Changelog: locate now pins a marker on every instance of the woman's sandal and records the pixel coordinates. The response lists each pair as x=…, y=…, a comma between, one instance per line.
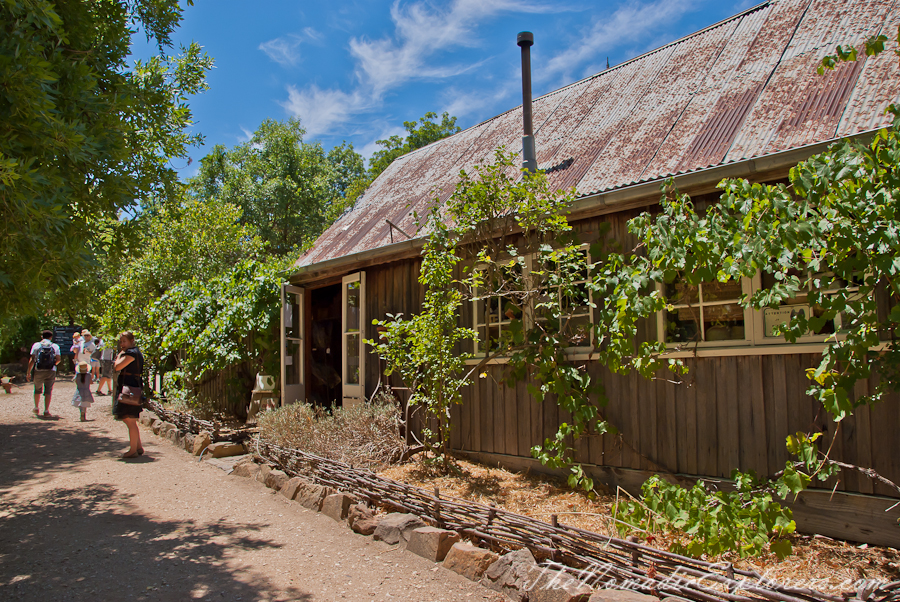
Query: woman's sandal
x=131, y=455
x=140, y=451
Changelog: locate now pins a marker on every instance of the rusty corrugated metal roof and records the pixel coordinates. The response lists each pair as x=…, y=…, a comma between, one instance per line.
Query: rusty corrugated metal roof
x=743, y=88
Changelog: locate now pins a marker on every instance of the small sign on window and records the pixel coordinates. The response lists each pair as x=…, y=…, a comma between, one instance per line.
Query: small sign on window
x=782, y=315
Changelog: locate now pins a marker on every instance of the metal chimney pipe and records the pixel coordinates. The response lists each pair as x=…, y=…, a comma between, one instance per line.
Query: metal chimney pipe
x=525, y=39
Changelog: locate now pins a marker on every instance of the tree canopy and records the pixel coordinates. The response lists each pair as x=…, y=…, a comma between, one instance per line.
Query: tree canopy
x=419, y=134
x=289, y=190
x=83, y=135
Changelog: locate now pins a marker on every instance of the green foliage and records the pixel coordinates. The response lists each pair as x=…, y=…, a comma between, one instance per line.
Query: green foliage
x=419, y=134
x=201, y=296
x=745, y=520
x=423, y=348
x=83, y=136
x=289, y=190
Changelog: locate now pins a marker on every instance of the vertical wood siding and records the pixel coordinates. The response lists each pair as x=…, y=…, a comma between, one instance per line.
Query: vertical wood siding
x=731, y=412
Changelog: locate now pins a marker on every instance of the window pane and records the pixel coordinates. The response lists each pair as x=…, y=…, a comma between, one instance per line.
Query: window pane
x=682, y=325
x=292, y=362
x=723, y=322
x=577, y=331
x=721, y=291
x=681, y=293
x=352, y=359
x=353, y=291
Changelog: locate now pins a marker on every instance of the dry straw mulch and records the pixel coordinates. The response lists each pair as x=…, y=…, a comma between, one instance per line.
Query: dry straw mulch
x=819, y=563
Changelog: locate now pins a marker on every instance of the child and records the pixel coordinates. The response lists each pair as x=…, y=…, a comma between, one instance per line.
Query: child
x=83, y=398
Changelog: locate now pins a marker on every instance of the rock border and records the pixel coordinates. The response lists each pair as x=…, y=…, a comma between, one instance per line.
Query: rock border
x=515, y=574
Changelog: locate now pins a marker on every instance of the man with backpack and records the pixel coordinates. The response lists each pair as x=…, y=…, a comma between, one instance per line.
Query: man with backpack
x=45, y=355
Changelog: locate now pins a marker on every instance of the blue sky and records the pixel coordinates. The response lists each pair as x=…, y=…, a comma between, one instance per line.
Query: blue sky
x=356, y=70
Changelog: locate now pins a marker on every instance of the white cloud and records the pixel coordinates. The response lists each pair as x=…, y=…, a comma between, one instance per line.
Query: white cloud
x=285, y=50
x=320, y=110
x=369, y=149
x=421, y=31
x=247, y=135
x=282, y=50
x=608, y=32
x=460, y=104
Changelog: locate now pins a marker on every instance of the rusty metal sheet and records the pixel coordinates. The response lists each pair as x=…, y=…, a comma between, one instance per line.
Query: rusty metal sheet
x=707, y=127
x=798, y=106
x=871, y=96
x=638, y=138
x=743, y=88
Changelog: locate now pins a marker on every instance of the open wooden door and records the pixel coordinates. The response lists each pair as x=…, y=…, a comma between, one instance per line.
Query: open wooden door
x=292, y=365
x=353, y=319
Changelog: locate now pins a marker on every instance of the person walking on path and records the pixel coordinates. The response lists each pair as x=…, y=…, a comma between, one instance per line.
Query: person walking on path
x=95, y=358
x=107, y=353
x=45, y=355
x=82, y=399
x=127, y=402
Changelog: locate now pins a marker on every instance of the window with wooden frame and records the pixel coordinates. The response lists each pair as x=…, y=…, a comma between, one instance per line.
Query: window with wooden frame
x=494, y=314
x=710, y=314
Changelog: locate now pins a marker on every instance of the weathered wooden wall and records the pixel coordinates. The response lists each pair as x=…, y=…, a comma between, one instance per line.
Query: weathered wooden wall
x=731, y=412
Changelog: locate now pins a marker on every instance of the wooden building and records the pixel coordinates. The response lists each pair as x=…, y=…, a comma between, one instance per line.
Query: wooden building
x=738, y=99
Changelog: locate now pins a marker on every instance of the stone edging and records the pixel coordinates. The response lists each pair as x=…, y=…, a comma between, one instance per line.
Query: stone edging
x=516, y=574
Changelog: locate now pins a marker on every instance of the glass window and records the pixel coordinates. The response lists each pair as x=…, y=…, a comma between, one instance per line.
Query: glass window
x=706, y=312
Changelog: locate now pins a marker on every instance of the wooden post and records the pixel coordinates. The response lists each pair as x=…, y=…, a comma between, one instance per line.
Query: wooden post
x=437, y=508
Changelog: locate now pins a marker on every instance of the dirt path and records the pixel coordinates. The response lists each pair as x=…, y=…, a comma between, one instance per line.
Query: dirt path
x=79, y=523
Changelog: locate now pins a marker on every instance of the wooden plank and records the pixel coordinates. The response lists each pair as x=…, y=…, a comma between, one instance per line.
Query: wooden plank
x=753, y=452
x=707, y=429
x=618, y=453
x=777, y=413
x=595, y=443
x=498, y=443
x=487, y=414
x=646, y=402
x=464, y=426
x=885, y=424
x=511, y=419
x=477, y=422
x=633, y=434
x=523, y=420
x=665, y=426
x=537, y=417
x=454, y=426
x=864, y=444
x=687, y=396
x=727, y=422
x=550, y=418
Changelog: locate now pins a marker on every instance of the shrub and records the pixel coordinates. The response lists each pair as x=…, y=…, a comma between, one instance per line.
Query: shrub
x=366, y=436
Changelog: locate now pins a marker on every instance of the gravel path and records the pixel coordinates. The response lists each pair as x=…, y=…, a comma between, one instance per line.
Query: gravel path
x=79, y=523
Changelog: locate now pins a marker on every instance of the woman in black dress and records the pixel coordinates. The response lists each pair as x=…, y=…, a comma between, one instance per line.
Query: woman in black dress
x=130, y=365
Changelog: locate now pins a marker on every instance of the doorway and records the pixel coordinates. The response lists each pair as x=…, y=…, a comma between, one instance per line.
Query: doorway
x=325, y=346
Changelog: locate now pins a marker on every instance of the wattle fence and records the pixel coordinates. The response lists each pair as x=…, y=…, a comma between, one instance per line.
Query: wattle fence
x=596, y=559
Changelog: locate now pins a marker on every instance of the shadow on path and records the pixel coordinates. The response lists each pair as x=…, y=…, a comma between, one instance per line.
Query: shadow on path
x=31, y=451
x=90, y=543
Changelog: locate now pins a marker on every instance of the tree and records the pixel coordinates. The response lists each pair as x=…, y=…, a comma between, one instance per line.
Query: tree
x=419, y=134
x=191, y=241
x=501, y=220
x=289, y=190
x=83, y=136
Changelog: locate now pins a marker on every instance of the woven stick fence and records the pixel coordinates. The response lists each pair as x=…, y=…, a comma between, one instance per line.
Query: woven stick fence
x=186, y=422
x=596, y=559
